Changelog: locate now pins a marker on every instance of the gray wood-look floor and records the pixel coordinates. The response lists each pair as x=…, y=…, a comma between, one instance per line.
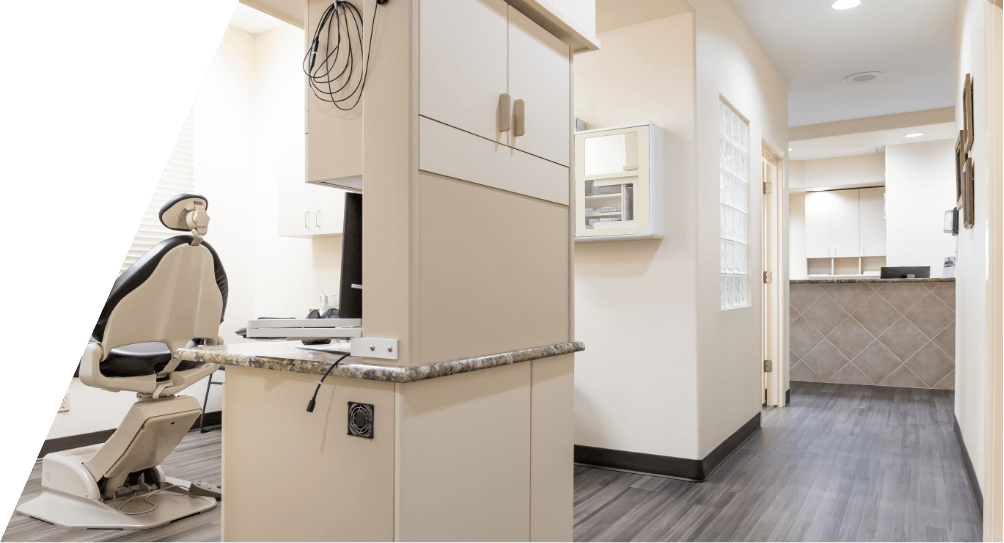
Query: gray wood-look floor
x=841, y=463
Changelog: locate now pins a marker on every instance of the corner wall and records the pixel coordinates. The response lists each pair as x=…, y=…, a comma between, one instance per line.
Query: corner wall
x=636, y=382
x=731, y=64
x=972, y=266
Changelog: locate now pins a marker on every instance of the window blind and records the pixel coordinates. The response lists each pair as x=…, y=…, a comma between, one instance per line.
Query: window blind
x=178, y=177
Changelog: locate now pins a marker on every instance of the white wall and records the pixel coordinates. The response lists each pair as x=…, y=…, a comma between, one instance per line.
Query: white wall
x=838, y=173
x=687, y=373
x=730, y=64
x=636, y=383
x=798, y=266
x=920, y=187
x=971, y=266
x=249, y=112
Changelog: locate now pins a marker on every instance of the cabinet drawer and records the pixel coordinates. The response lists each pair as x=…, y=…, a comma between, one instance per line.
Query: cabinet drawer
x=444, y=150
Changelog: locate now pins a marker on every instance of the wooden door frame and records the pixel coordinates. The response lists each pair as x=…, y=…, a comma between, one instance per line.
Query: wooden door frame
x=773, y=318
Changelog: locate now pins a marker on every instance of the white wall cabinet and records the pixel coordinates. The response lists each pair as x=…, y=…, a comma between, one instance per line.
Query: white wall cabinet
x=618, y=183
x=467, y=70
x=306, y=210
x=843, y=224
x=871, y=205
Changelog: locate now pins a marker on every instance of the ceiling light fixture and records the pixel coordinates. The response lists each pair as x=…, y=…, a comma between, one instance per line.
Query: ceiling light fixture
x=846, y=4
x=863, y=77
x=914, y=135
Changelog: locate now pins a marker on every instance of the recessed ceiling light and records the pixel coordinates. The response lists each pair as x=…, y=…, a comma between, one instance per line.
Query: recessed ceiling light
x=915, y=135
x=790, y=149
x=846, y=4
x=863, y=77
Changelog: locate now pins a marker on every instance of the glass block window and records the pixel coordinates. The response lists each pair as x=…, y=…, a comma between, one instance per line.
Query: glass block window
x=733, y=206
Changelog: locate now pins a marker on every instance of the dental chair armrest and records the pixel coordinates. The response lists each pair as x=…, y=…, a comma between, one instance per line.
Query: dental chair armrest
x=90, y=374
x=180, y=380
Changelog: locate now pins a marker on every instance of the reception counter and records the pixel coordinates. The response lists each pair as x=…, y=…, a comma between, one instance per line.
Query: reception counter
x=472, y=449
x=871, y=331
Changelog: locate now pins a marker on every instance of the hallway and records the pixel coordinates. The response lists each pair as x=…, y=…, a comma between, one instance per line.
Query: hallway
x=842, y=462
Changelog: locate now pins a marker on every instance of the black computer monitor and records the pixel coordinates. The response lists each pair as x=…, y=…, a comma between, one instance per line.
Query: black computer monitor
x=350, y=291
x=901, y=272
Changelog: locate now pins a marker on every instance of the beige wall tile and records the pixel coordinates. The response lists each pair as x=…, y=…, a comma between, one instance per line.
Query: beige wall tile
x=801, y=372
x=801, y=295
x=850, y=375
x=803, y=337
x=903, y=377
x=931, y=315
x=877, y=361
x=824, y=360
x=902, y=296
x=876, y=315
x=946, y=292
x=850, y=337
x=946, y=340
x=825, y=314
x=903, y=339
x=849, y=295
x=931, y=364
x=948, y=383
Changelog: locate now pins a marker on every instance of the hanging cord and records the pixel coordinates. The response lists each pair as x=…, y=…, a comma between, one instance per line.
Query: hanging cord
x=336, y=79
x=313, y=400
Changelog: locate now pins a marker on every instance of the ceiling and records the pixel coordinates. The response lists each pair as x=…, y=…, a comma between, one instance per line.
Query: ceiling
x=815, y=46
x=252, y=20
x=613, y=14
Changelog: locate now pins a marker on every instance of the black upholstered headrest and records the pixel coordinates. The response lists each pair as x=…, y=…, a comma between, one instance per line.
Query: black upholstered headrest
x=172, y=214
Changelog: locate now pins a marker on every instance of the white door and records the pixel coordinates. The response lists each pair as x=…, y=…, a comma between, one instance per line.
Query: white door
x=329, y=210
x=845, y=228
x=462, y=63
x=871, y=204
x=819, y=210
x=538, y=75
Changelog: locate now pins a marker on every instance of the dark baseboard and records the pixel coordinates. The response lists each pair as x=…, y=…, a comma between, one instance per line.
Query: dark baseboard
x=213, y=418
x=670, y=466
x=787, y=397
x=967, y=463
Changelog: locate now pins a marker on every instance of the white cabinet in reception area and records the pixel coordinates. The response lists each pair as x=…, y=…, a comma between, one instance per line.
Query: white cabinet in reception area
x=845, y=231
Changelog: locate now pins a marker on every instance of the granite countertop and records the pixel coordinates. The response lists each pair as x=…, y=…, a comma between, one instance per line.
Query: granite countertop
x=284, y=356
x=871, y=280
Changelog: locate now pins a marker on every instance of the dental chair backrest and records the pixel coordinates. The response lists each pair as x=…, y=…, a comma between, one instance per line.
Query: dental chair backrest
x=175, y=295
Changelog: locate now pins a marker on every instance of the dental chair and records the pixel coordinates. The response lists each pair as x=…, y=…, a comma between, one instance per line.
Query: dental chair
x=173, y=296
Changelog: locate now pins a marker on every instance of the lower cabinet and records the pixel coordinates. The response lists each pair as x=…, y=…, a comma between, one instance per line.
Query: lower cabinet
x=307, y=210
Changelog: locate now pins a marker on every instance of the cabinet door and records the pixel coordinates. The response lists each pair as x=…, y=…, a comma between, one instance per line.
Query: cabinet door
x=871, y=205
x=295, y=199
x=462, y=63
x=329, y=210
x=844, y=223
x=818, y=235
x=538, y=75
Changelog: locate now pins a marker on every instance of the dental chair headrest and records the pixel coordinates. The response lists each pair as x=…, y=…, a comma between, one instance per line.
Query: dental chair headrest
x=186, y=212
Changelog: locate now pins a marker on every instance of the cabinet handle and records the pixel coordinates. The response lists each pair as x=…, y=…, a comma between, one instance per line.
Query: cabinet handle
x=505, y=112
x=519, y=118
x=306, y=219
x=317, y=219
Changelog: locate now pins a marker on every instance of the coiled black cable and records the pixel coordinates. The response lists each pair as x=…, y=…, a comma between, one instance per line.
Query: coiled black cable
x=335, y=77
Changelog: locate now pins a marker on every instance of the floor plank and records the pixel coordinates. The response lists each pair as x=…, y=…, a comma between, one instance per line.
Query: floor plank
x=841, y=463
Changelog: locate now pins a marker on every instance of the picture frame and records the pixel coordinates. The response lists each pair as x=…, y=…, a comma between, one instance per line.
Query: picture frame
x=967, y=113
x=968, y=189
x=959, y=167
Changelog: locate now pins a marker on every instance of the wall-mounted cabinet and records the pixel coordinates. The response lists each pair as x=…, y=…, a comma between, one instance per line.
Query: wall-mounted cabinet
x=618, y=183
x=845, y=231
x=306, y=210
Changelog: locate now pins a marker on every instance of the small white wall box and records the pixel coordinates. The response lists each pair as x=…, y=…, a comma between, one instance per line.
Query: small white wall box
x=619, y=183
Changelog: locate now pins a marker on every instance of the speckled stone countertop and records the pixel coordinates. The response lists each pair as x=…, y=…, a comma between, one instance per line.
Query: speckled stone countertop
x=871, y=280
x=284, y=356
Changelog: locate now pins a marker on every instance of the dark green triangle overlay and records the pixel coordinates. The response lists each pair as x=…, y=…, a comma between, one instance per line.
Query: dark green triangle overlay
x=93, y=96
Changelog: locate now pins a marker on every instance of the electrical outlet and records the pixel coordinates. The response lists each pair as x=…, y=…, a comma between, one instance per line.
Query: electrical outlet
x=65, y=405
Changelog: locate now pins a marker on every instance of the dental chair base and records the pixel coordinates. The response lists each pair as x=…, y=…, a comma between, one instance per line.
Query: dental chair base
x=119, y=484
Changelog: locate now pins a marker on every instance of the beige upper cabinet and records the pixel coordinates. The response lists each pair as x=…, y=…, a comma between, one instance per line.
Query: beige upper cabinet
x=462, y=59
x=472, y=75
x=538, y=75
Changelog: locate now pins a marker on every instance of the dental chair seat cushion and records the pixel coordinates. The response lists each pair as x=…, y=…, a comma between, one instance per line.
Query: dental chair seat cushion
x=139, y=359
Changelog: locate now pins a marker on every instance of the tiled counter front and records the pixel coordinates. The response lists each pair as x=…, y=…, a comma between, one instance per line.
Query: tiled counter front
x=898, y=334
